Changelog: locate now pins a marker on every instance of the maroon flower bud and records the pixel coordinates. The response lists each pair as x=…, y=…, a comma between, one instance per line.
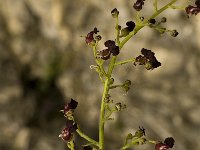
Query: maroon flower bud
x=138, y=5
x=69, y=107
x=169, y=141
x=152, y=21
x=115, y=13
x=67, y=132
x=89, y=39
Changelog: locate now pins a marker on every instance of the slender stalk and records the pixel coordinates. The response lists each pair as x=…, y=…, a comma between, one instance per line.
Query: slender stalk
x=155, y=4
x=102, y=113
x=87, y=137
x=72, y=145
x=124, y=62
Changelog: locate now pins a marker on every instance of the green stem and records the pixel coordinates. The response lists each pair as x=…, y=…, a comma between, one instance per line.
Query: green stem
x=155, y=4
x=72, y=145
x=102, y=113
x=117, y=30
x=124, y=62
x=115, y=86
x=87, y=137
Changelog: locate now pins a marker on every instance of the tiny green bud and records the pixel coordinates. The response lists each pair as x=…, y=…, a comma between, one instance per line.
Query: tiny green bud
x=174, y=33
x=124, y=32
x=127, y=82
x=162, y=30
x=140, y=132
x=141, y=18
x=115, y=13
x=98, y=37
x=163, y=19
x=111, y=81
x=119, y=106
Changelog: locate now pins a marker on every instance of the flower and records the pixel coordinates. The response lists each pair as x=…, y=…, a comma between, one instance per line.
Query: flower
x=67, y=132
x=69, y=107
x=89, y=39
x=147, y=59
x=193, y=10
x=111, y=49
x=138, y=5
x=168, y=143
x=104, y=54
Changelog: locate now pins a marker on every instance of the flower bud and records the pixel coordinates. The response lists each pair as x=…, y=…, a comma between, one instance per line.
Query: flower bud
x=163, y=19
x=124, y=32
x=115, y=13
x=140, y=132
x=174, y=33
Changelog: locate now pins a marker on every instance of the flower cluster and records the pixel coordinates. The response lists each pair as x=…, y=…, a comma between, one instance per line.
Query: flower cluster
x=71, y=126
x=193, y=10
x=67, y=132
x=138, y=5
x=168, y=143
x=111, y=49
x=147, y=59
x=89, y=39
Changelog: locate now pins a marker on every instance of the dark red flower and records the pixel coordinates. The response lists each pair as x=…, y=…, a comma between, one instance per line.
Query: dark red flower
x=104, y=54
x=111, y=49
x=147, y=59
x=161, y=146
x=69, y=107
x=168, y=143
x=193, y=10
x=67, y=132
x=89, y=39
x=138, y=5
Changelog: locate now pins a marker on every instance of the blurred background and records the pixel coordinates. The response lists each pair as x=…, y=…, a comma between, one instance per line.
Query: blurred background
x=44, y=62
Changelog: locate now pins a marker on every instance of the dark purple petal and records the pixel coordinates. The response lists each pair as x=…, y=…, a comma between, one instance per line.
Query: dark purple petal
x=90, y=36
x=161, y=146
x=169, y=141
x=138, y=5
x=193, y=10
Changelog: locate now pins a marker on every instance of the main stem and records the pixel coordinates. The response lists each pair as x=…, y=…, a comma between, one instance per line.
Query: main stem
x=102, y=113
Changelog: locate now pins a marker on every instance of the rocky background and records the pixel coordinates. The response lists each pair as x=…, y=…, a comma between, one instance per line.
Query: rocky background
x=44, y=62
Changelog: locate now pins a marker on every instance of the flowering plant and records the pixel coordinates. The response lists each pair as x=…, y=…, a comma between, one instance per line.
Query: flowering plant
x=110, y=53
